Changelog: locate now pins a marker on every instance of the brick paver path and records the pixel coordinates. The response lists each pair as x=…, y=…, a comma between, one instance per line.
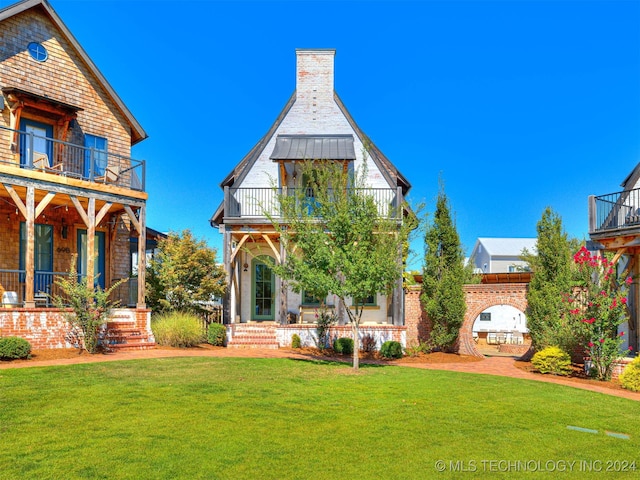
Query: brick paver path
x=501, y=366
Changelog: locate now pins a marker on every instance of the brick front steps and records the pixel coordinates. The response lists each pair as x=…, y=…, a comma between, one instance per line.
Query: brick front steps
x=252, y=335
x=124, y=336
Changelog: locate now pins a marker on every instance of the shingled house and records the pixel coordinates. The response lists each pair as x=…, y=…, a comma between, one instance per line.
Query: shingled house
x=614, y=226
x=67, y=182
x=314, y=125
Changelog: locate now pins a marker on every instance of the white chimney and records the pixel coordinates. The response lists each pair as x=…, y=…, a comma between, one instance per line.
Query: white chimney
x=314, y=75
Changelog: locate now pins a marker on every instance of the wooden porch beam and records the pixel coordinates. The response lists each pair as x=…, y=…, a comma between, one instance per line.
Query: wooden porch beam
x=618, y=254
x=132, y=217
x=237, y=249
x=29, y=301
x=16, y=199
x=80, y=209
x=44, y=202
x=142, y=255
x=273, y=248
x=103, y=211
x=91, y=241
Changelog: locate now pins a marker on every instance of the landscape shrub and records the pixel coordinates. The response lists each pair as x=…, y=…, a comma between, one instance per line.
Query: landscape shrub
x=295, y=341
x=14, y=347
x=177, y=329
x=552, y=360
x=216, y=334
x=630, y=377
x=391, y=349
x=343, y=345
x=368, y=344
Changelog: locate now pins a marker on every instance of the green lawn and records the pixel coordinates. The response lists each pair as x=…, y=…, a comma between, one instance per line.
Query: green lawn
x=277, y=418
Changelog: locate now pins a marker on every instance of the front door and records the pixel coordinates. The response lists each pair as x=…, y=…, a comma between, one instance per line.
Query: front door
x=43, y=256
x=34, y=140
x=263, y=291
x=99, y=264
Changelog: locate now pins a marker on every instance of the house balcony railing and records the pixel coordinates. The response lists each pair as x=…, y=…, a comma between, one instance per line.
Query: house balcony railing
x=259, y=202
x=33, y=152
x=614, y=211
x=46, y=289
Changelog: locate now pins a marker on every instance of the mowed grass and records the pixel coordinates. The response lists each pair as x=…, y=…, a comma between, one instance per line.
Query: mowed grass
x=286, y=419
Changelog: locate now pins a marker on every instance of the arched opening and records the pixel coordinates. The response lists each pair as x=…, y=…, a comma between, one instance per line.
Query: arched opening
x=500, y=325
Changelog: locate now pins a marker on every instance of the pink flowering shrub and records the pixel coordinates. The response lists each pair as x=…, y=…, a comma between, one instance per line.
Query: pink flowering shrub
x=600, y=304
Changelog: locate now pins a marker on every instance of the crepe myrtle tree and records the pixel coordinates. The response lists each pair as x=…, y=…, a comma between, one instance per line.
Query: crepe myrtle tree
x=339, y=239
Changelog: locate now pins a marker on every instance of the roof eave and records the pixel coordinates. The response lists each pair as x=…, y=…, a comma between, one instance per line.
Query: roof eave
x=137, y=132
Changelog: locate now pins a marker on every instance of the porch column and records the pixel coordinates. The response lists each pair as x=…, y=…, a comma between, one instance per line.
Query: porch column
x=284, y=291
x=91, y=241
x=29, y=258
x=228, y=310
x=142, y=257
x=635, y=302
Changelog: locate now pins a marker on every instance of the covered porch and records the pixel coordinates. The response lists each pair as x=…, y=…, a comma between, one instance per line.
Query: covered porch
x=614, y=226
x=49, y=220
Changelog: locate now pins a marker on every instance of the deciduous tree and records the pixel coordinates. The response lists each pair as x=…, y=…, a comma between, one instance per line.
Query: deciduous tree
x=340, y=238
x=184, y=274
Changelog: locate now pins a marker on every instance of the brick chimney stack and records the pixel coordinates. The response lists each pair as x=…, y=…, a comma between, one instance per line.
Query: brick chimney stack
x=314, y=76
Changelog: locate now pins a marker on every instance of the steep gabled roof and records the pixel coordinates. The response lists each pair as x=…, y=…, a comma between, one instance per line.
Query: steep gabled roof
x=391, y=174
x=137, y=132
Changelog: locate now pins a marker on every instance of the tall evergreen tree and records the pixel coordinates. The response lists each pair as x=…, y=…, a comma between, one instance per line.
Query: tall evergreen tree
x=443, y=277
x=551, y=265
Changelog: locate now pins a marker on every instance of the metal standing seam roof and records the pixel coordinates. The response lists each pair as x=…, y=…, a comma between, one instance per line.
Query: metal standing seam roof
x=314, y=147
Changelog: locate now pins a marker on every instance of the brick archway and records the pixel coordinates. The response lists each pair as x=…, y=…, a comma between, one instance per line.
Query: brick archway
x=479, y=298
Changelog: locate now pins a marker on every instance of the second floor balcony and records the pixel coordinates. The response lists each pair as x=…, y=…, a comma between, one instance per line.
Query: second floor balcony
x=614, y=213
x=255, y=204
x=32, y=152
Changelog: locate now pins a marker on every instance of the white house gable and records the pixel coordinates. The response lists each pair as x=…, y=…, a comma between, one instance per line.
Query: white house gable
x=314, y=112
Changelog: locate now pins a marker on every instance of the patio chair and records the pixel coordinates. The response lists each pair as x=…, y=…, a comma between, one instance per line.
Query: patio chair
x=10, y=299
x=111, y=174
x=41, y=162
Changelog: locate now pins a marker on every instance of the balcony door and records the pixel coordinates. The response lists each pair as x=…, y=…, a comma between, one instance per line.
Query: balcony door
x=35, y=138
x=263, y=290
x=99, y=264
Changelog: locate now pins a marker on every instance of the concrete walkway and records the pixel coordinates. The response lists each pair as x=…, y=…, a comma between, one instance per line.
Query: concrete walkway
x=501, y=366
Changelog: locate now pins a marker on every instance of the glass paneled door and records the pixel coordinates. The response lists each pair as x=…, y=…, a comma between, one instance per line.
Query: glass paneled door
x=35, y=142
x=263, y=291
x=42, y=257
x=99, y=263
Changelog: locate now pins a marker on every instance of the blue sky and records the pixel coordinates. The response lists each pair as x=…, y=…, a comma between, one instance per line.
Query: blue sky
x=518, y=105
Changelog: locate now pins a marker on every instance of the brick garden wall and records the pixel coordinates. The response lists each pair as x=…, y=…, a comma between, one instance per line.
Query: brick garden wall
x=478, y=298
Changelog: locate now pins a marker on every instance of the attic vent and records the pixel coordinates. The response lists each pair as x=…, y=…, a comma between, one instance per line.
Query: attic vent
x=37, y=51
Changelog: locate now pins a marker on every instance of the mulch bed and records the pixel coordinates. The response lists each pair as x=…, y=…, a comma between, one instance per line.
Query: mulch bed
x=578, y=375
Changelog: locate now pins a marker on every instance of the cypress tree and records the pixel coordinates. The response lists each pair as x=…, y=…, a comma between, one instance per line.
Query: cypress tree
x=443, y=278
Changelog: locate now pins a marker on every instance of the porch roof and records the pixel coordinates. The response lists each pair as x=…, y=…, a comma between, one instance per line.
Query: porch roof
x=314, y=147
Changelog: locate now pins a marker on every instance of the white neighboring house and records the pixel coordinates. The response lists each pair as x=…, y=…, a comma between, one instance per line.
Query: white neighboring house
x=501, y=255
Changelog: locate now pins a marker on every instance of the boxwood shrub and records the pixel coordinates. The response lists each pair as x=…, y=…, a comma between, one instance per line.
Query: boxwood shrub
x=391, y=349
x=296, y=342
x=630, y=377
x=216, y=334
x=12, y=348
x=343, y=345
x=552, y=360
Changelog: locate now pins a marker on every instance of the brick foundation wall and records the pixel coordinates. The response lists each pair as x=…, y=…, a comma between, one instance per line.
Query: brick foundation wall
x=46, y=328
x=307, y=333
